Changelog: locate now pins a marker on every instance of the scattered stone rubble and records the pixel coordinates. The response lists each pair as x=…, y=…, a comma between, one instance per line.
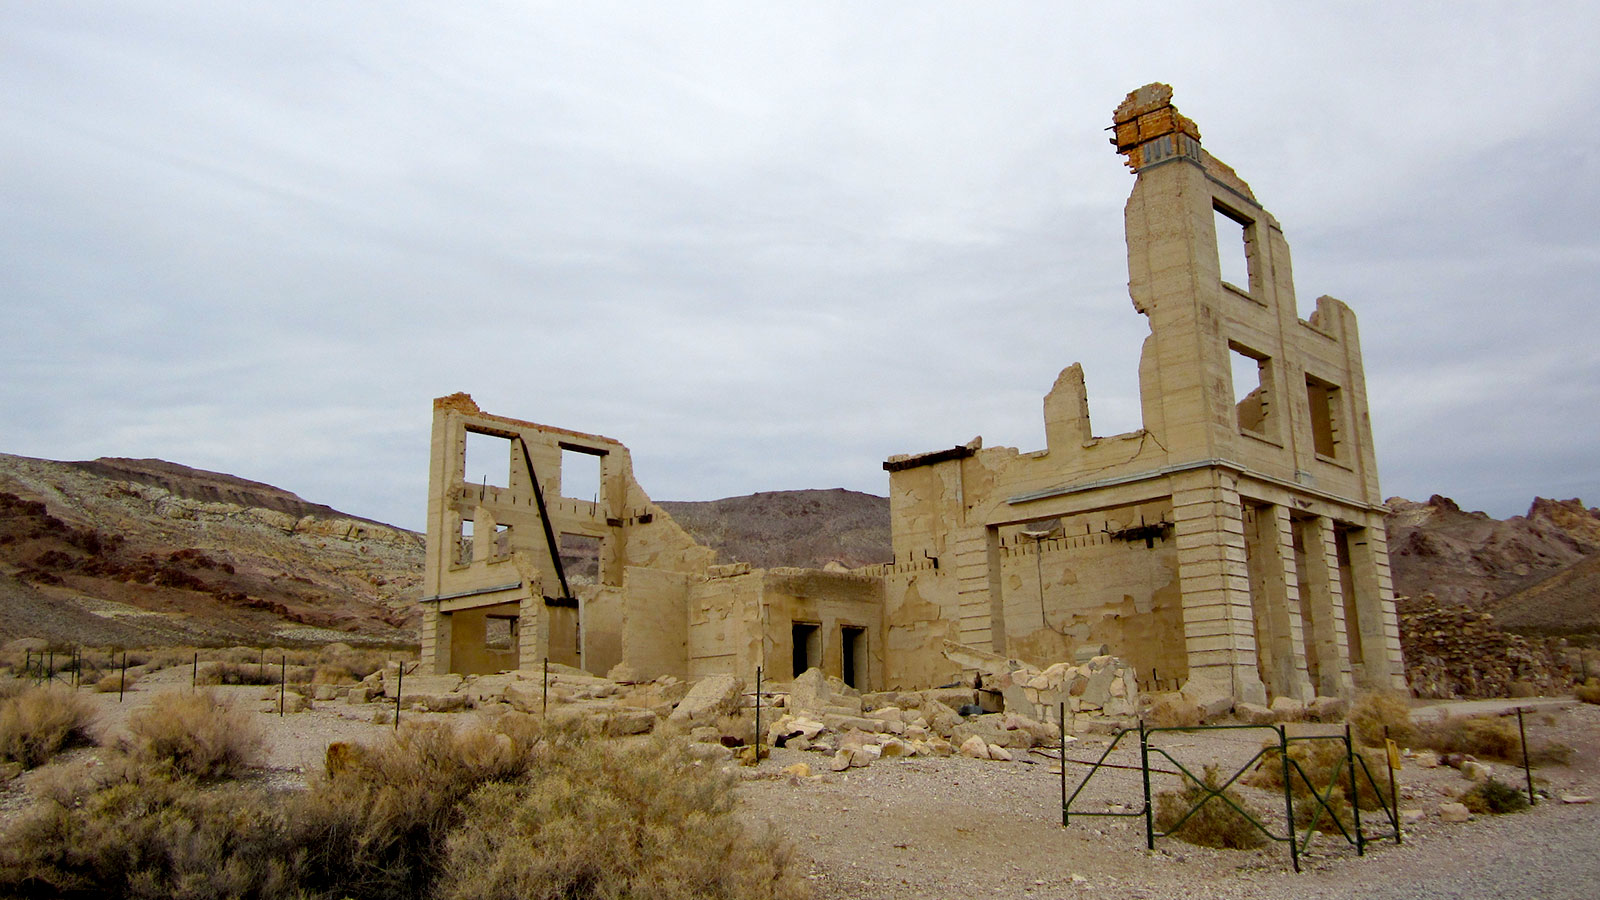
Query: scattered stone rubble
x=1004, y=708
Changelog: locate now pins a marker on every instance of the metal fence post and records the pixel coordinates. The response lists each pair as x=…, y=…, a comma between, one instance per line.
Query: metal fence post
x=122, y=683
x=758, y=715
x=283, y=682
x=544, y=707
x=399, y=687
x=194, y=675
x=1144, y=769
x=1061, y=720
x=1288, y=798
x=1355, y=790
x=1527, y=770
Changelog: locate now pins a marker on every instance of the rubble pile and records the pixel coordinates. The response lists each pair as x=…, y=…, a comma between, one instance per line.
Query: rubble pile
x=1455, y=651
x=998, y=711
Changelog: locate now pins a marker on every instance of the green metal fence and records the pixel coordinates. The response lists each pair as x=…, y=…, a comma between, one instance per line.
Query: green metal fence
x=1346, y=823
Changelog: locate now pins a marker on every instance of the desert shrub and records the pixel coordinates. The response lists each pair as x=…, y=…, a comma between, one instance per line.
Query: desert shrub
x=123, y=830
x=195, y=735
x=1549, y=753
x=617, y=821
x=1484, y=736
x=1372, y=711
x=116, y=681
x=375, y=825
x=1213, y=824
x=40, y=722
x=550, y=813
x=333, y=674
x=1321, y=766
x=230, y=672
x=1589, y=691
x=1491, y=796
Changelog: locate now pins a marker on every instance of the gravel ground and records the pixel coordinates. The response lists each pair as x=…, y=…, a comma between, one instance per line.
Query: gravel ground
x=956, y=827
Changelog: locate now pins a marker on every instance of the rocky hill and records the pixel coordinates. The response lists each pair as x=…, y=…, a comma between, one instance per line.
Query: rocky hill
x=136, y=552
x=791, y=528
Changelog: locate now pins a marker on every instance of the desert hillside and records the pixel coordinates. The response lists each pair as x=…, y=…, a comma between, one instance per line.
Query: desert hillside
x=121, y=551
x=791, y=528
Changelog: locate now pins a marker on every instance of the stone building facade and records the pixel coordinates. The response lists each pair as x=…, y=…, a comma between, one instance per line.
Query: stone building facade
x=1234, y=543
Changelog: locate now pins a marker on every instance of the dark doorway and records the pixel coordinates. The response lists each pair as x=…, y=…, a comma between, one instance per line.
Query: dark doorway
x=853, y=643
x=807, y=647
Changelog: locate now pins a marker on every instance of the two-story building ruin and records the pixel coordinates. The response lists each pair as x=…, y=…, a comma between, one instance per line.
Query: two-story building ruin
x=1237, y=538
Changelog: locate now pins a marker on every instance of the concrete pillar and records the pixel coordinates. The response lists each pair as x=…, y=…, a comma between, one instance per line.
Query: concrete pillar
x=1214, y=581
x=435, y=641
x=1275, y=602
x=1322, y=603
x=1384, y=668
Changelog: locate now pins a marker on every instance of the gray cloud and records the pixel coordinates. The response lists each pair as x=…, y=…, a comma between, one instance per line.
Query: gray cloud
x=764, y=248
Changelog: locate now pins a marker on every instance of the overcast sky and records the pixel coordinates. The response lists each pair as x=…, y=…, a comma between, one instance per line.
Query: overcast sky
x=766, y=245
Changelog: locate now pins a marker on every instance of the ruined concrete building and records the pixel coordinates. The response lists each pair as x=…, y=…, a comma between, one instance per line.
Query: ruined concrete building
x=1235, y=543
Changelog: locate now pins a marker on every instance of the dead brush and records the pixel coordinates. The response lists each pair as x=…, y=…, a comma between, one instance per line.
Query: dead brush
x=1214, y=823
x=375, y=825
x=123, y=830
x=1490, y=737
x=40, y=722
x=1371, y=712
x=194, y=735
x=1321, y=767
x=1589, y=691
x=561, y=814
x=618, y=820
x=116, y=681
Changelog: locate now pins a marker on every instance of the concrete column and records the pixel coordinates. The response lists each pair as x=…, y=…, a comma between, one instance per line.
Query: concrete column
x=1323, y=605
x=1214, y=581
x=1383, y=668
x=1275, y=602
x=435, y=640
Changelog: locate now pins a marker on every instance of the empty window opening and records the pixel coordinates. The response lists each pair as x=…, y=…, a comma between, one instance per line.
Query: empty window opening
x=580, y=473
x=464, y=542
x=1249, y=388
x=502, y=540
x=1352, y=615
x=499, y=632
x=580, y=558
x=1233, y=248
x=853, y=644
x=488, y=460
x=807, y=647
x=1323, y=398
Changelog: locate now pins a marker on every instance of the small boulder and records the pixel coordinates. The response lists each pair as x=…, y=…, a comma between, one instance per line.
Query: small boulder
x=975, y=747
x=1454, y=812
x=711, y=697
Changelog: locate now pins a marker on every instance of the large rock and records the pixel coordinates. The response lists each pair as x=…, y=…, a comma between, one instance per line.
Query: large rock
x=415, y=685
x=1254, y=714
x=810, y=691
x=711, y=697
x=1211, y=697
x=975, y=747
x=629, y=720
x=1454, y=812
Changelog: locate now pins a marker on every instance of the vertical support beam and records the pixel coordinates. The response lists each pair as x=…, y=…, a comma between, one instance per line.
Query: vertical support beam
x=1384, y=668
x=1323, y=605
x=1214, y=581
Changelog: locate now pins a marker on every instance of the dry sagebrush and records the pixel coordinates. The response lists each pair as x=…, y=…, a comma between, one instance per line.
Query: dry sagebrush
x=40, y=722
x=505, y=811
x=195, y=735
